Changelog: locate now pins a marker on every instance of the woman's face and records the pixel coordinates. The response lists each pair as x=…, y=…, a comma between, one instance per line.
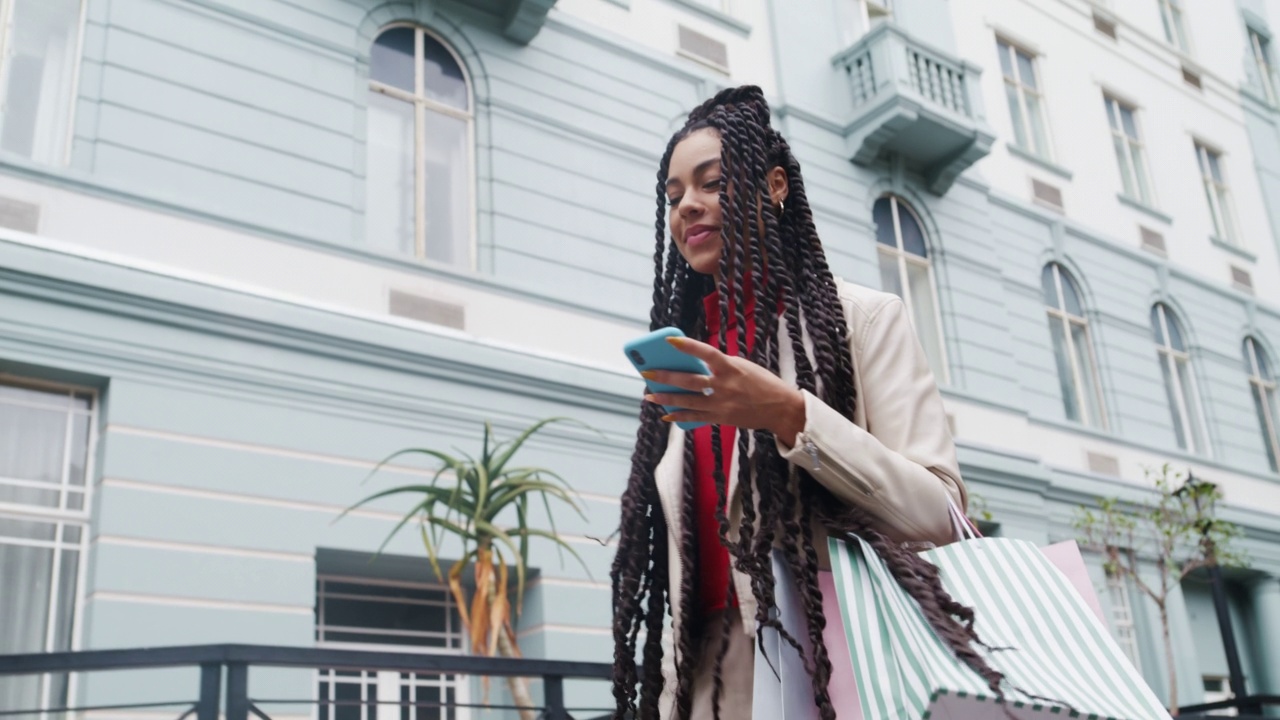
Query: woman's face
x=693, y=195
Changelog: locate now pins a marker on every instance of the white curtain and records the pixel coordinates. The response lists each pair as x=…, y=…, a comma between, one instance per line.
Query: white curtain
x=42, y=60
x=39, y=557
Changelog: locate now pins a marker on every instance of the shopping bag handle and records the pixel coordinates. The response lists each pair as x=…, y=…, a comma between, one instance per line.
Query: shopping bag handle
x=960, y=523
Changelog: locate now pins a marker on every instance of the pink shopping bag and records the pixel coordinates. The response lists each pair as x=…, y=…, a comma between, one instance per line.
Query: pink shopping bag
x=788, y=693
x=1066, y=557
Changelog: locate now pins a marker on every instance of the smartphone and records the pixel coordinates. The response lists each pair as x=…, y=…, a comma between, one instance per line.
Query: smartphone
x=653, y=352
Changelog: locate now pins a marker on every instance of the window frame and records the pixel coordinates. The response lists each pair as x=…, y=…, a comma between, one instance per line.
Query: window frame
x=1217, y=193
x=1173, y=18
x=1022, y=90
x=1062, y=315
x=1115, y=123
x=1196, y=435
x=1260, y=47
x=461, y=683
x=7, y=9
x=721, y=6
x=1267, y=391
x=422, y=105
x=60, y=518
x=1124, y=625
x=902, y=258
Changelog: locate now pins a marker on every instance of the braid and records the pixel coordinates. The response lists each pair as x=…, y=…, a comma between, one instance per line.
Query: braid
x=687, y=655
x=638, y=539
x=780, y=257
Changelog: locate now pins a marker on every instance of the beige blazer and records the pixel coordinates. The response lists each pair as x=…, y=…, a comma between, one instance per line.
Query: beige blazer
x=896, y=459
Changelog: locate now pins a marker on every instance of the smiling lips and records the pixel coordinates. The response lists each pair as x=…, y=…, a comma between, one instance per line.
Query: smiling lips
x=699, y=234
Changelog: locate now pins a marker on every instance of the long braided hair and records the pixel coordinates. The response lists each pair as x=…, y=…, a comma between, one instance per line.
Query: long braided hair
x=780, y=504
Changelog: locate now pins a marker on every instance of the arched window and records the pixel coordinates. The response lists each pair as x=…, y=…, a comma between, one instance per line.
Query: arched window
x=1077, y=376
x=905, y=270
x=419, y=169
x=1179, y=385
x=1263, y=386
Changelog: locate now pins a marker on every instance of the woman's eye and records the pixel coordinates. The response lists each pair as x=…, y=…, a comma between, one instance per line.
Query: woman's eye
x=674, y=201
x=716, y=185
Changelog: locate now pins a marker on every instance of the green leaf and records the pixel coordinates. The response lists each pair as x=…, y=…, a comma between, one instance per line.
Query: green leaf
x=502, y=459
x=448, y=460
x=522, y=517
x=482, y=492
x=484, y=450
x=529, y=487
x=556, y=539
x=431, y=550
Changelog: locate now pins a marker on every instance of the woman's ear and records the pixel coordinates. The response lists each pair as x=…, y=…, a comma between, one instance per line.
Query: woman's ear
x=777, y=178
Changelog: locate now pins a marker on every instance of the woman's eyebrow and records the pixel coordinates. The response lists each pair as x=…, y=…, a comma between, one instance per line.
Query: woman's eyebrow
x=698, y=169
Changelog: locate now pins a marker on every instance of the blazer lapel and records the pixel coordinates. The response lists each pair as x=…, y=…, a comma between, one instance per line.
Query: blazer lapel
x=669, y=476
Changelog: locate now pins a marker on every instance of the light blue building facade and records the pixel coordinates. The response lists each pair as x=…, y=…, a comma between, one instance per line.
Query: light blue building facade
x=248, y=249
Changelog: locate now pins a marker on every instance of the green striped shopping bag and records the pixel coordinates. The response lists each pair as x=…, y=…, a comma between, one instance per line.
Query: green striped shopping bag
x=1059, y=648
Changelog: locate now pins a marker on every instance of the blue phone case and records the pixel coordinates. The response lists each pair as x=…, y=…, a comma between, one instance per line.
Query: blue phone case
x=653, y=352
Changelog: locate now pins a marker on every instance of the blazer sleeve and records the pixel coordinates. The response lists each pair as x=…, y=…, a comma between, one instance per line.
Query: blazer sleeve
x=902, y=467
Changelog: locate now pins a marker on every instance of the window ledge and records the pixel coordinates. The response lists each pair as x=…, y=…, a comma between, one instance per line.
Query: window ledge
x=1238, y=251
x=723, y=19
x=1139, y=205
x=1259, y=96
x=1072, y=426
x=1038, y=161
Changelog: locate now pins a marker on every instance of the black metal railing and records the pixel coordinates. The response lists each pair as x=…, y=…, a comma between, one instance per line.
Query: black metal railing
x=235, y=662
x=1250, y=707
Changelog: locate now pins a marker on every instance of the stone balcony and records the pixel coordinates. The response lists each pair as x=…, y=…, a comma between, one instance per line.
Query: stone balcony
x=916, y=102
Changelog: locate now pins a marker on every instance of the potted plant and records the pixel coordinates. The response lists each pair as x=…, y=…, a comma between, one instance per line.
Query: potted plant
x=483, y=503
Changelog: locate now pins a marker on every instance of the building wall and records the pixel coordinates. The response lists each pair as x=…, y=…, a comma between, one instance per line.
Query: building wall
x=201, y=261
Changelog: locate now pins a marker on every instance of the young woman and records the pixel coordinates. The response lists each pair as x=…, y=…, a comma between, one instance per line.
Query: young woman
x=822, y=418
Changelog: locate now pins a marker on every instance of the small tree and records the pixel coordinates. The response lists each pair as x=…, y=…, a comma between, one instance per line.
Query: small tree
x=978, y=512
x=478, y=493
x=1178, y=534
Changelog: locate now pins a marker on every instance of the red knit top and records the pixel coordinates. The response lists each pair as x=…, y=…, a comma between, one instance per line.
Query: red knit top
x=713, y=557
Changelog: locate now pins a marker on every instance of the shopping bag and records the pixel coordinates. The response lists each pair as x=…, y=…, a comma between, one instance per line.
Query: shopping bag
x=1063, y=555
x=1059, y=647
x=1066, y=557
x=782, y=688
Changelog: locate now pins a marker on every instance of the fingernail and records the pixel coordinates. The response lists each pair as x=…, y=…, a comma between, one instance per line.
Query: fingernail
x=666, y=418
x=649, y=398
x=675, y=341
x=649, y=375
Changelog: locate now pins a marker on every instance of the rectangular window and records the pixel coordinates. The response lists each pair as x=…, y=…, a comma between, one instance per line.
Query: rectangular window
x=371, y=614
x=1216, y=193
x=1122, y=625
x=39, y=52
x=1130, y=155
x=1026, y=104
x=46, y=438
x=1261, y=47
x=1174, y=25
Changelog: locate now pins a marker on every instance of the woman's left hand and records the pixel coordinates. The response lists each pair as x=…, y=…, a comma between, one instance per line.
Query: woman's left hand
x=742, y=393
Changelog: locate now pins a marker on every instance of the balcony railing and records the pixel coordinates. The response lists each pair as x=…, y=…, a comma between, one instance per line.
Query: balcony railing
x=236, y=661
x=916, y=102
x=1246, y=708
